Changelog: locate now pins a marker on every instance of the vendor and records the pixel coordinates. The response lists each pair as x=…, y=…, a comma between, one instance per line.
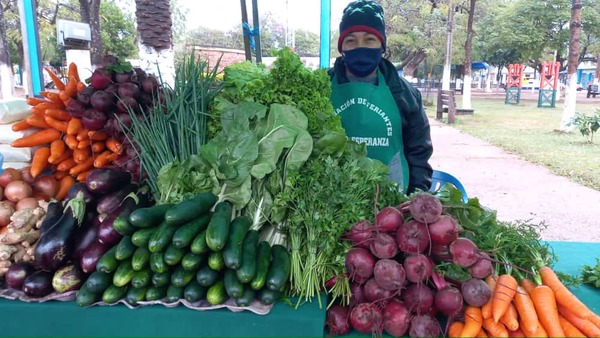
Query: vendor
x=376, y=106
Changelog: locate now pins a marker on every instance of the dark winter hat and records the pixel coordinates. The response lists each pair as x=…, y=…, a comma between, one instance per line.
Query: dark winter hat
x=362, y=15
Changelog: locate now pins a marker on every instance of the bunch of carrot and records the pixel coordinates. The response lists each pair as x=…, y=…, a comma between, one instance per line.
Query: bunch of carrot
x=528, y=309
x=63, y=145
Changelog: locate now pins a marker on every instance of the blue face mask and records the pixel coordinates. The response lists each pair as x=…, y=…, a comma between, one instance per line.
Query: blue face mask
x=362, y=61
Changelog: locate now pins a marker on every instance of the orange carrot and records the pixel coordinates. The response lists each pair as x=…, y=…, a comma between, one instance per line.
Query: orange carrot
x=48, y=105
x=563, y=296
x=540, y=332
x=97, y=135
x=74, y=126
x=83, y=166
x=486, y=309
x=57, y=149
x=570, y=329
x=103, y=159
x=495, y=329
x=82, y=135
x=80, y=155
x=504, y=292
x=528, y=285
x=57, y=81
x=113, y=145
x=80, y=86
x=64, y=96
x=71, y=87
x=455, y=329
x=545, y=304
x=59, y=114
x=510, y=318
x=34, y=101
x=36, y=121
x=594, y=318
x=67, y=154
x=56, y=124
x=66, y=165
x=39, y=162
x=59, y=175
x=71, y=141
x=36, y=139
x=517, y=333
x=98, y=146
x=52, y=96
x=63, y=187
x=21, y=125
x=74, y=72
x=526, y=310
x=83, y=175
x=473, y=322
x=83, y=144
x=482, y=334
x=584, y=325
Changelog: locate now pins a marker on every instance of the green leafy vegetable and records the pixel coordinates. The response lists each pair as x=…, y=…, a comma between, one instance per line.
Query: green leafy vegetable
x=591, y=274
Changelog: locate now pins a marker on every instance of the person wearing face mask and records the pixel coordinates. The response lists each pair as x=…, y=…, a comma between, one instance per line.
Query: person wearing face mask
x=376, y=106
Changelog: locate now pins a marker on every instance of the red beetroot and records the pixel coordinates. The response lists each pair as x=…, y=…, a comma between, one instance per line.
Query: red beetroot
x=150, y=84
x=475, y=292
x=337, y=320
x=366, y=318
x=101, y=78
x=412, y=237
x=93, y=119
x=75, y=108
x=357, y=294
x=424, y=326
x=444, y=230
x=388, y=219
x=418, y=298
x=448, y=301
x=384, y=246
x=464, y=252
x=440, y=252
x=102, y=101
x=396, y=318
x=418, y=268
x=124, y=77
x=389, y=274
x=359, y=265
x=126, y=104
x=375, y=293
x=84, y=95
x=424, y=207
x=361, y=234
x=482, y=268
x=129, y=89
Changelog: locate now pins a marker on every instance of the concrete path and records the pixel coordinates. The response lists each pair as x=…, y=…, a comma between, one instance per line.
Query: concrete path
x=518, y=190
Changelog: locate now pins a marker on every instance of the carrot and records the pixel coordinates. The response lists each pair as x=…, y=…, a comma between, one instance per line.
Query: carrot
x=563, y=296
x=83, y=175
x=64, y=96
x=516, y=333
x=114, y=145
x=48, y=105
x=56, y=124
x=495, y=329
x=510, y=318
x=71, y=87
x=540, y=332
x=36, y=139
x=504, y=292
x=82, y=135
x=482, y=333
x=584, y=325
x=57, y=149
x=74, y=126
x=34, y=101
x=545, y=304
x=570, y=329
x=80, y=155
x=63, y=187
x=526, y=310
x=59, y=175
x=97, y=135
x=103, y=159
x=39, y=161
x=21, y=125
x=80, y=86
x=486, y=309
x=473, y=322
x=98, y=146
x=66, y=165
x=74, y=72
x=36, y=121
x=83, y=166
x=455, y=329
x=71, y=141
x=83, y=144
x=67, y=154
x=594, y=318
x=57, y=81
x=528, y=285
x=59, y=114
x=52, y=97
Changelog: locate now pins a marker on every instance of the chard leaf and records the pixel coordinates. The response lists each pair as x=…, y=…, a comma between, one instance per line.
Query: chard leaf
x=270, y=149
x=232, y=156
x=300, y=151
x=239, y=195
x=238, y=117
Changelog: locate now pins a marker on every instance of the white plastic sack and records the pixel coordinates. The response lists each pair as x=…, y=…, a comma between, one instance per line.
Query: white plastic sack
x=7, y=135
x=16, y=165
x=13, y=110
x=15, y=154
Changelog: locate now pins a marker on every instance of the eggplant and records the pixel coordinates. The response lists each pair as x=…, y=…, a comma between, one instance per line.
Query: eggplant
x=67, y=278
x=91, y=255
x=106, y=180
x=107, y=233
x=110, y=202
x=84, y=237
x=78, y=187
x=17, y=273
x=55, y=211
x=38, y=284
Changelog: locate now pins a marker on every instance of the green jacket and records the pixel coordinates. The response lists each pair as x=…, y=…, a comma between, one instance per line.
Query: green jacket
x=415, y=125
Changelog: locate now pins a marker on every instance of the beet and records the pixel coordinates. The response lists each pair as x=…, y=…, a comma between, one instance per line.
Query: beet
x=361, y=234
x=85, y=94
x=359, y=265
x=475, y=292
x=389, y=274
x=388, y=219
x=464, y=252
x=93, y=119
x=418, y=268
x=396, y=318
x=424, y=326
x=125, y=77
x=440, y=252
x=482, y=268
x=357, y=294
x=113, y=90
x=384, y=246
x=101, y=78
x=418, y=298
x=375, y=293
x=444, y=230
x=102, y=101
x=337, y=320
x=129, y=89
x=75, y=108
x=448, y=301
x=412, y=237
x=127, y=104
x=366, y=318
x=150, y=84
x=424, y=207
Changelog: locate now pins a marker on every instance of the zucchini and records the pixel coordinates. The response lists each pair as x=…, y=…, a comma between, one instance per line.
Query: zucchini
x=124, y=274
x=141, y=278
x=125, y=248
x=233, y=286
x=190, y=209
x=140, y=259
x=199, y=245
x=216, y=294
x=215, y=261
x=232, y=254
x=279, y=272
x=108, y=263
x=186, y=233
x=141, y=237
x=173, y=255
x=85, y=297
x=174, y=293
x=136, y=295
x=181, y=278
x=157, y=263
x=162, y=237
x=191, y=261
x=114, y=293
x=161, y=279
x=122, y=226
x=263, y=262
x=247, y=270
x=247, y=297
x=149, y=217
x=268, y=297
x=194, y=292
x=98, y=281
x=217, y=230
x=207, y=276
x=155, y=293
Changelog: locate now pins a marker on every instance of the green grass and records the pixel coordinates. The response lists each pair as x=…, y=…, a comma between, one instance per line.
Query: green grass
x=530, y=132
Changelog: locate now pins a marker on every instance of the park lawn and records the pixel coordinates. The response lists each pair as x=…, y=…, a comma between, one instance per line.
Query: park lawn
x=530, y=132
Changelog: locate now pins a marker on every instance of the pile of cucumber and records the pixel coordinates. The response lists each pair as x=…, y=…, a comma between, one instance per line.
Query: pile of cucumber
x=194, y=250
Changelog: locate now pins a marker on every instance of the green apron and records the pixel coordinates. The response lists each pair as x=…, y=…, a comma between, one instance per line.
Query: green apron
x=370, y=115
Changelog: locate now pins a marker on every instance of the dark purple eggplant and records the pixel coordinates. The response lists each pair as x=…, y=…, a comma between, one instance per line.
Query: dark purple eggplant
x=106, y=180
x=92, y=255
x=110, y=202
x=55, y=211
x=107, y=233
x=84, y=237
x=67, y=278
x=17, y=273
x=78, y=187
x=38, y=284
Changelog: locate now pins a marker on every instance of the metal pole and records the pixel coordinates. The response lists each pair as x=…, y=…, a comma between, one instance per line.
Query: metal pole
x=448, y=58
x=246, y=37
x=255, y=23
x=31, y=47
x=325, y=33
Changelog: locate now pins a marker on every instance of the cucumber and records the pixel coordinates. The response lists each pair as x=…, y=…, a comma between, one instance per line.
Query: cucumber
x=98, y=281
x=191, y=261
x=155, y=293
x=157, y=263
x=141, y=237
x=114, y=293
x=85, y=297
x=140, y=259
x=108, y=263
x=141, y=278
x=181, y=278
x=216, y=294
x=263, y=262
x=247, y=297
x=279, y=272
x=247, y=270
x=125, y=249
x=232, y=254
x=122, y=226
x=174, y=293
x=217, y=230
x=162, y=237
x=190, y=209
x=186, y=233
x=174, y=255
x=268, y=297
x=149, y=217
x=136, y=295
x=199, y=245
x=233, y=286
x=207, y=276
x=124, y=274
x=161, y=279
x=215, y=261
x=194, y=292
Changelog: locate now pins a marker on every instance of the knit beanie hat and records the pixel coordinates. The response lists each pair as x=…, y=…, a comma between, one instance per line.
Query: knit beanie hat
x=362, y=15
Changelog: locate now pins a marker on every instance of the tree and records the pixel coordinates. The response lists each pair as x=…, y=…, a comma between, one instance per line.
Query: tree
x=90, y=14
x=573, y=62
x=466, y=102
x=307, y=43
x=6, y=73
x=117, y=31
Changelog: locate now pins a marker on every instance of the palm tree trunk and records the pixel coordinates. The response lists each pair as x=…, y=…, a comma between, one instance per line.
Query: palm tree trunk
x=573, y=61
x=6, y=75
x=466, y=98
